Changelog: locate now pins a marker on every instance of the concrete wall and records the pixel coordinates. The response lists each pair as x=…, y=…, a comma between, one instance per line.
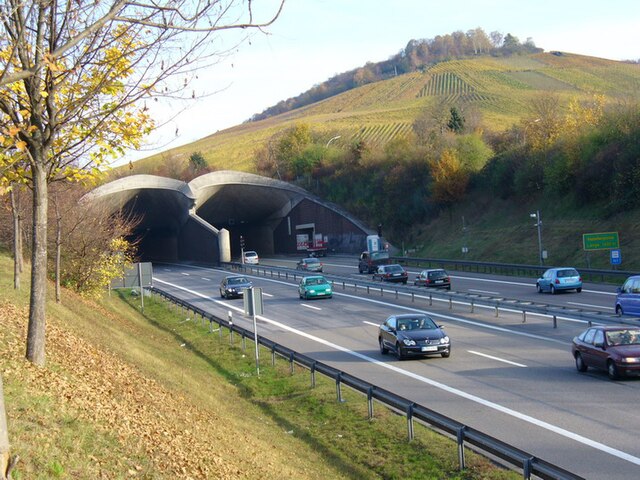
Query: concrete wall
x=198, y=243
x=342, y=235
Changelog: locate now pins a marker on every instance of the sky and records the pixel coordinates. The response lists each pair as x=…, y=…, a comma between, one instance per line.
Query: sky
x=314, y=40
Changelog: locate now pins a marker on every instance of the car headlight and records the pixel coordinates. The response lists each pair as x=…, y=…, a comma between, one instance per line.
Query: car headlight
x=444, y=339
x=409, y=342
x=631, y=360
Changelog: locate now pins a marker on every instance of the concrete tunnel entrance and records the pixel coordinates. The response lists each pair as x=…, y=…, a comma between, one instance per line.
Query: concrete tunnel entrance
x=201, y=221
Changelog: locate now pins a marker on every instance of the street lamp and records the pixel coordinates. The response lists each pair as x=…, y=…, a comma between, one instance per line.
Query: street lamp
x=331, y=140
x=539, y=225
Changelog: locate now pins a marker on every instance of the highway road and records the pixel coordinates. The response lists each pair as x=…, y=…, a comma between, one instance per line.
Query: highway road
x=513, y=380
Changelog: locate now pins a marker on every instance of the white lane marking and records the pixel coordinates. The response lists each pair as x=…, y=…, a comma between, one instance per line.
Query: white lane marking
x=267, y=294
x=484, y=291
x=454, y=391
x=589, y=305
x=446, y=317
x=185, y=274
x=206, y=279
x=497, y=358
x=310, y=306
x=370, y=323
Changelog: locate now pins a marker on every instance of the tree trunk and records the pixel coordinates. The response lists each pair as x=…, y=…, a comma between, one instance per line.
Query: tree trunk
x=17, y=243
x=38, y=298
x=6, y=462
x=58, y=245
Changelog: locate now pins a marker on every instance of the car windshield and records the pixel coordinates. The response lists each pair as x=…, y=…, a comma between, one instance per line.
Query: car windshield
x=250, y=254
x=624, y=337
x=438, y=274
x=316, y=281
x=312, y=260
x=569, y=272
x=393, y=268
x=237, y=281
x=416, y=323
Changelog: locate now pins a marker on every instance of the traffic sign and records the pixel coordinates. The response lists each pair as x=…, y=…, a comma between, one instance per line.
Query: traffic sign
x=600, y=241
x=616, y=256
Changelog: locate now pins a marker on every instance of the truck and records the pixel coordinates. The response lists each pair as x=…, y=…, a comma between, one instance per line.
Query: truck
x=370, y=260
x=315, y=244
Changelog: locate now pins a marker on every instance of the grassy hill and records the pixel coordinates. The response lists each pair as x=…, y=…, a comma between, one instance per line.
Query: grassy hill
x=499, y=87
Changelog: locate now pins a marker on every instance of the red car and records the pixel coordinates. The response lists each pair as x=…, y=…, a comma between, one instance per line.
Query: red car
x=615, y=349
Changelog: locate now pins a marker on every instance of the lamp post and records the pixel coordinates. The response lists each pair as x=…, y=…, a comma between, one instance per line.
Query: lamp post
x=331, y=140
x=539, y=225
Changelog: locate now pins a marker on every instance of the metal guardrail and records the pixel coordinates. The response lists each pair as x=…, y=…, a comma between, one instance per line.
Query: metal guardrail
x=554, y=312
x=512, y=269
x=463, y=434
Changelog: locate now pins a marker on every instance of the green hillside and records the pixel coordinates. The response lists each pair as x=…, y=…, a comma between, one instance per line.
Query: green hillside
x=500, y=88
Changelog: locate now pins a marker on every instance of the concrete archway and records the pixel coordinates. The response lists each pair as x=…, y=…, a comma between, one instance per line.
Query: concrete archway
x=202, y=220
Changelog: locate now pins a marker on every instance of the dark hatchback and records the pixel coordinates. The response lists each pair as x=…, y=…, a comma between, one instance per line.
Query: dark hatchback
x=413, y=335
x=434, y=278
x=233, y=286
x=615, y=349
x=391, y=273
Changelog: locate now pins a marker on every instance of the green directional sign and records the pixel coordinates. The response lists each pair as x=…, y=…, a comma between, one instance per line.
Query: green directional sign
x=600, y=241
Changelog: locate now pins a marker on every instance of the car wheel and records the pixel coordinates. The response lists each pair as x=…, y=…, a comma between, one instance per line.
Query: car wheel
x=221, y=294
x=619, y=310
x=612, y=370
x=446, y=354
x=399, y=354
x=580, y=365
x=538, y=288
x=579, y=289
x=552, y=289
x=383, y=349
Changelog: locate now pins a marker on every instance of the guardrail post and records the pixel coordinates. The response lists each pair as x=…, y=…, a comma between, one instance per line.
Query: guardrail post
x=244, y=342
x=382, y=291
x=396, y=293
x=219, y=331
x=555, y=322
x=313, y=375
x=526, y=468
x=460, y=439
x=430, y=300
x=273, y=355
x=471, y=306
x=412, y=297
x=524, y=316
x=497, y=305
x=450, y=303
x=367, y=289
x=230, y=328
x=291, y=363
x=370, y=402
x=339, y=386
x=344, y=285
x=410, y=421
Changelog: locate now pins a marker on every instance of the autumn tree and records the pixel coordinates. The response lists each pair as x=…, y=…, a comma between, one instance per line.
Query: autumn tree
x=543, y=125
x=73, y=80
x=449, y=177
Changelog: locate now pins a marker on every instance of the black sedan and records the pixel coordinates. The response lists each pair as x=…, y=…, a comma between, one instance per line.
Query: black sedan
x=434, y=277
x=615, y=349
x=391, y=273
x=233, y=286
x=413, y=334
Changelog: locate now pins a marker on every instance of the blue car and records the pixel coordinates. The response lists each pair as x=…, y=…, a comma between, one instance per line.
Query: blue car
x=628, y=299
x=557, y=279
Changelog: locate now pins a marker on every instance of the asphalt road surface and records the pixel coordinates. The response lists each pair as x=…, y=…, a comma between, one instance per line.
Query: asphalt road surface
x=515, y=381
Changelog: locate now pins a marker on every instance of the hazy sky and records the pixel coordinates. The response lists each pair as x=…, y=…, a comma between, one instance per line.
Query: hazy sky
x=316, y=39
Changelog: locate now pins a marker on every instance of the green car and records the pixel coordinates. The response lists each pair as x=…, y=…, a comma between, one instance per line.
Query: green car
x=315, y=287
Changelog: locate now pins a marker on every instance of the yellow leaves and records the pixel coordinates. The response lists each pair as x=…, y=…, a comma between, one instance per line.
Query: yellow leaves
x=21, y=145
